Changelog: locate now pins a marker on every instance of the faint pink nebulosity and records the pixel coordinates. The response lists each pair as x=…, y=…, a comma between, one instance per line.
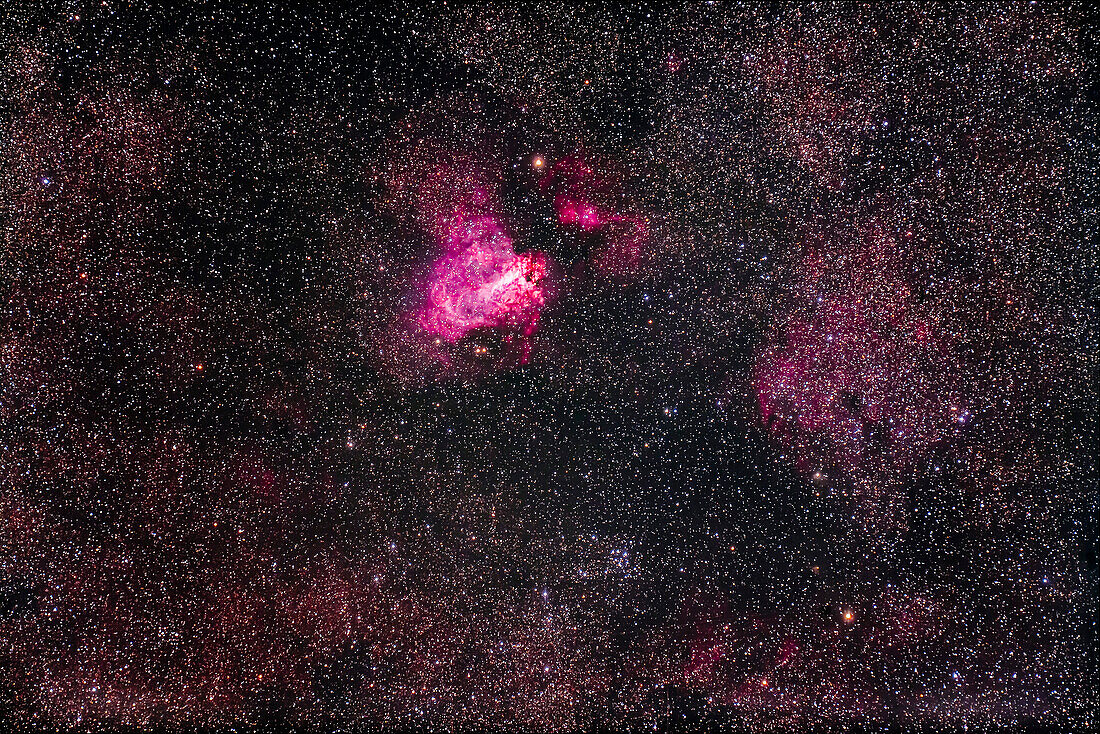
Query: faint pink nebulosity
x=582, y=213
x=481, y=282
x=626, y=248
x=579, y=187
x=589, y=201
x=859, y=377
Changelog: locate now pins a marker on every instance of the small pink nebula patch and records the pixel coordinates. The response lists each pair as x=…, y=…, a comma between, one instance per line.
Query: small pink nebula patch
x=577, y=212
x=480, y=282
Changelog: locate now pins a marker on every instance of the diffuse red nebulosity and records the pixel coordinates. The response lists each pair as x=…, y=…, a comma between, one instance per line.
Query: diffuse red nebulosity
x=858, y=379
x=862, y=376
x=589, y=196
x=880, y=366
x=734, y=656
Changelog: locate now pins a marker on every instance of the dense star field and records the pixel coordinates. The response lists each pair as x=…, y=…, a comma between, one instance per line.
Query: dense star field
x=548, y=367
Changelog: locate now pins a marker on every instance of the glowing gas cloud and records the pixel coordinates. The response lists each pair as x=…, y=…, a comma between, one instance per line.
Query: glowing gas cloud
x=480, y=282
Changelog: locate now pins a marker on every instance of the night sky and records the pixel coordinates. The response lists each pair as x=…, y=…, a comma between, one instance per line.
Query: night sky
x=548, y=367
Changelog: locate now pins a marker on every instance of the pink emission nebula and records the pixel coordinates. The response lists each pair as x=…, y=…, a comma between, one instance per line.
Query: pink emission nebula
x=480, y=282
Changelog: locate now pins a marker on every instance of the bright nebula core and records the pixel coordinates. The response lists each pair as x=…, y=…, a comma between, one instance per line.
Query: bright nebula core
x=548, y=367
x=481, y=282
